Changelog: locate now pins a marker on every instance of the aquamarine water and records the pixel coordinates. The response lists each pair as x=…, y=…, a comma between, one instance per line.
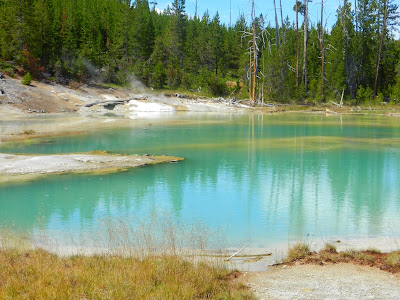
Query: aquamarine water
x=262, y=179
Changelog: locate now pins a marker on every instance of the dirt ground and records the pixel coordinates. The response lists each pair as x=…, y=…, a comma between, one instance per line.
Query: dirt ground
x=338, y=281
x=40, y=97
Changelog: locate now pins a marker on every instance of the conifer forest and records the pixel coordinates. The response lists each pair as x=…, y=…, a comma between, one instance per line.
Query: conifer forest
x=258, y=57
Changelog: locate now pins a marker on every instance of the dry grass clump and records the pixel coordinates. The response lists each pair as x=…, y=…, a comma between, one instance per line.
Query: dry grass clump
x=347, y=255
x=297, y=251
x=372, y=257
x=393, y=259
x=374, y=251
x=37, y=274
x=331, y=248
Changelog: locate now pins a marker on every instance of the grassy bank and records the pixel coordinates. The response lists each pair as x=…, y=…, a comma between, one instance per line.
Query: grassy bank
x=37, y=274
x=155, y=258
x=301, y=253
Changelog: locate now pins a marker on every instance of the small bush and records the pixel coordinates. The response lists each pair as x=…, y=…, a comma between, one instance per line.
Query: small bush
x=217, y=86
x=360, y=256
x=328, y=256
x=27, y=79
x=330, y=248
x=348, y=255
x=10, y=72
x=74, y=85
x=297, y=251
x=394, y=259
x=28, y=132
x=374, y=251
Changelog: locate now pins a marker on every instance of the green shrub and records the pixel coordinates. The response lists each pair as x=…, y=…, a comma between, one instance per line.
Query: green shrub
x=27, y=79
x=217, y=86
x=10, y=72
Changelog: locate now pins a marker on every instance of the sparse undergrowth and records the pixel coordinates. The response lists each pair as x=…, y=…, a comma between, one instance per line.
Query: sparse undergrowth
x=370, y=257
x=156, y=258
x=297, y=251
x=393, y=259
x=37, y=274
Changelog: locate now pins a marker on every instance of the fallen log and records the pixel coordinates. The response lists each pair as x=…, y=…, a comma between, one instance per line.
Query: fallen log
x=236, y=253
x=111, y=102
x=336, y=104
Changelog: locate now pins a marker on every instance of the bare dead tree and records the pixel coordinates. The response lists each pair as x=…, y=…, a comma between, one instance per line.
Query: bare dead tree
x=297, y=44
x=253, y=49
x=230, y=13
x=322, y=36
x=251, y=74
x=378, y=59
x=253, y=96
x=276, y=28
x=282, y=25
x=356, y=14
x=305, y=79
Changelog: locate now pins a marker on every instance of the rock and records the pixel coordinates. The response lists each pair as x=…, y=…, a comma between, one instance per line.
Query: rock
x=2, y=76
x=109, y=106
x=2, y=92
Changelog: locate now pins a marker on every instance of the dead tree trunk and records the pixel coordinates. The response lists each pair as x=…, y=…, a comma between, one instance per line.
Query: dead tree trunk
x=378, y=59
x=356, y=14
x=322, y=53
x=230, y=13
x=254, y=55
x=276, y=28
x=297, y=44
x=305, y=48
x=250, y=73
x=282, y=24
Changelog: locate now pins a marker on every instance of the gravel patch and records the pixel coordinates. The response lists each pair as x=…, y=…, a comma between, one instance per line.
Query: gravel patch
x=339, y=281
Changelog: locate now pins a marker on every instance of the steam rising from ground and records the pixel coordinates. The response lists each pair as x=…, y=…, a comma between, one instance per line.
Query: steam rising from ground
x=137, y=86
